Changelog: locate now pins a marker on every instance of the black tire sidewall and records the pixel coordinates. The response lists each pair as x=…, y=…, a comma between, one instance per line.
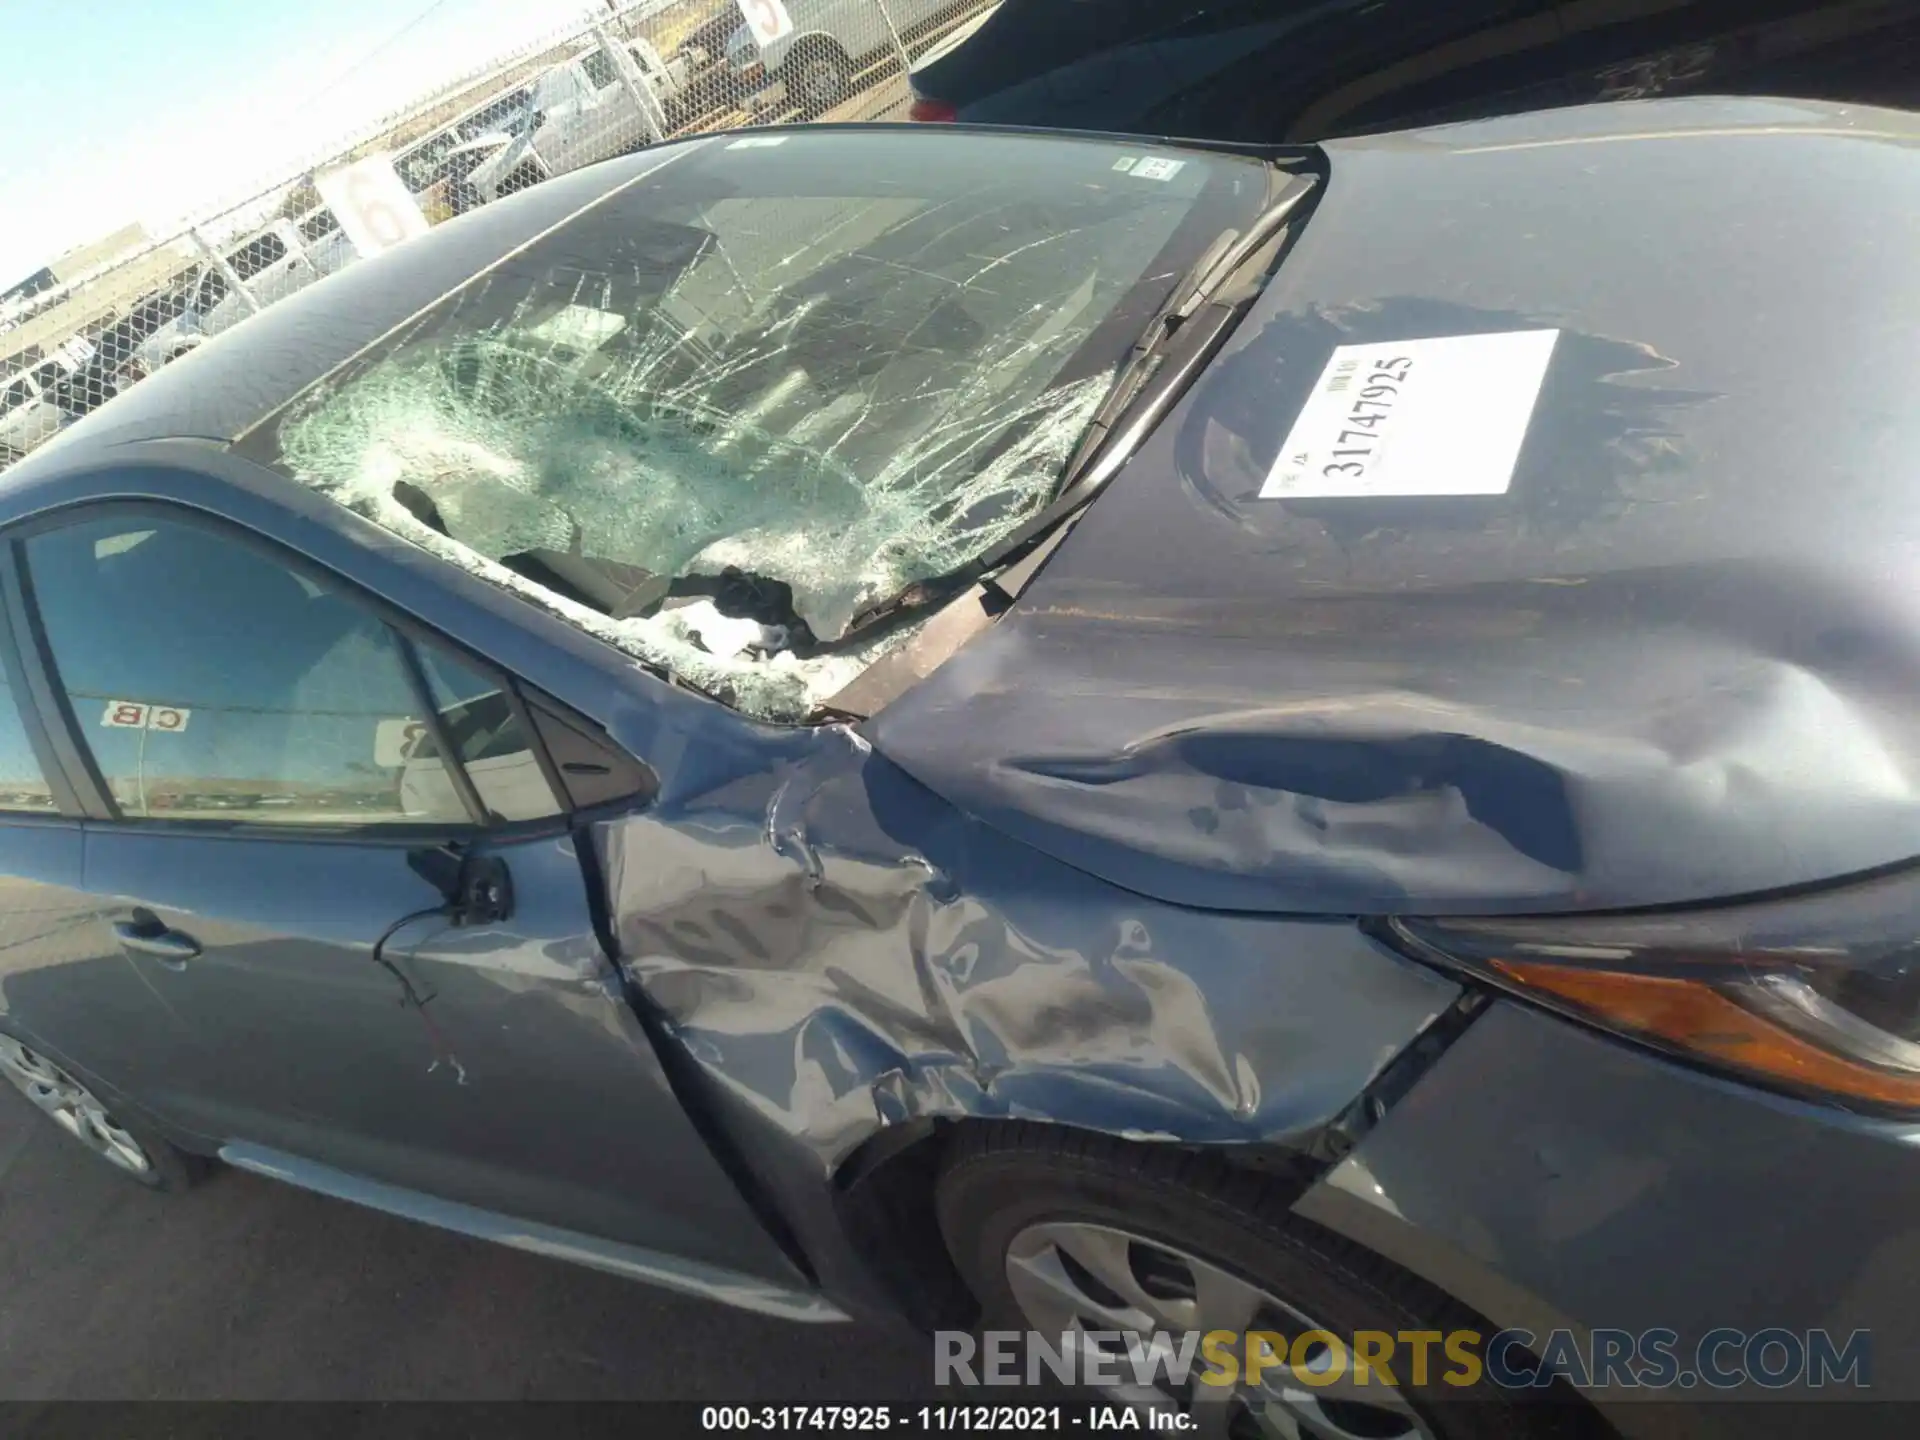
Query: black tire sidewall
x=843, y=78
x=985, y=1203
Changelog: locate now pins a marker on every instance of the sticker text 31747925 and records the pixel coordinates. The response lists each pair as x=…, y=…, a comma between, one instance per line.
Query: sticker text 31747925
x=1415, y=418
x=1373, y=399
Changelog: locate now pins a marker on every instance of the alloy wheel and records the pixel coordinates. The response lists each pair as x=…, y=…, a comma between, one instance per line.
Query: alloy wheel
x=1076, y=1280
x=821, y=82
x=71, y=1106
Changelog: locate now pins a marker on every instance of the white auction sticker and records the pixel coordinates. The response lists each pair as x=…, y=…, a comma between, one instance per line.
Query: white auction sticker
x=375, y=209
x=1414, y=418
x=1156, y=167
x=758, y=142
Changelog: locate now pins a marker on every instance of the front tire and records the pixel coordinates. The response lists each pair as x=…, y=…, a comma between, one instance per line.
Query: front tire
x=819, y=76
x=122, y=1143
x=1066, y=1232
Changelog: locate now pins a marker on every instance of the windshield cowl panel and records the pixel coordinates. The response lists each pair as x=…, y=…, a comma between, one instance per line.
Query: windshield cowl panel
x=720, y=416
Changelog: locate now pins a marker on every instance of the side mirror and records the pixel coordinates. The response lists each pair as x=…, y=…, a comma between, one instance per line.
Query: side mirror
x=478, y=888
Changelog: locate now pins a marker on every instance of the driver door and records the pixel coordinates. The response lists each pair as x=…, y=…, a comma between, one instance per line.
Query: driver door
x=286, y=783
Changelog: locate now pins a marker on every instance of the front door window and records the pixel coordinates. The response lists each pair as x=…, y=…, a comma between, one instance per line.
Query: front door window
x=209, y=681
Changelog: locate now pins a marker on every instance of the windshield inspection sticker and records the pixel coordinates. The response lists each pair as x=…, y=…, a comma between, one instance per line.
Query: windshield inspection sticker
x=578, y=327
x=1157, y=167
x=1149, y=167
x=1415, y=418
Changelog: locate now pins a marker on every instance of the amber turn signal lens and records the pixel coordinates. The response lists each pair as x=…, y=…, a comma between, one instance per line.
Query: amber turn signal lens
x=1700, y=1020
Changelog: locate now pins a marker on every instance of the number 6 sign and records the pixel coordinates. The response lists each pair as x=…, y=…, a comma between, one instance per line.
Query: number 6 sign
x=767, y=19
x=374, y=208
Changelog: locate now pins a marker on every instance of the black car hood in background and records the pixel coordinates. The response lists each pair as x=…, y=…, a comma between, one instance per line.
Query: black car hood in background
x=1679, y=659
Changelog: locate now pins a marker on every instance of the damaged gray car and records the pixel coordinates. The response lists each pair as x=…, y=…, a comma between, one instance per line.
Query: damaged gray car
x=1069, y=733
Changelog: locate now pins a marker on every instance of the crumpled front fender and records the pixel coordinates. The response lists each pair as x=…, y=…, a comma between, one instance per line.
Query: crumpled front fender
x=836, y=951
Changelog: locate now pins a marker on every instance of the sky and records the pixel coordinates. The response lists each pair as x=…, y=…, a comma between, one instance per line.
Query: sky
x=118, y=111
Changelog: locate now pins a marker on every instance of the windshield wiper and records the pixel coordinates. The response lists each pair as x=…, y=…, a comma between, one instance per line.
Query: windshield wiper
x=1223, y=260
x=1171, y=352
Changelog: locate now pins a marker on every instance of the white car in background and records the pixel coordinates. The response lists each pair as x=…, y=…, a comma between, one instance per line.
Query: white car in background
x=30, y=413
x=425, y=166
x=577, y=113
x=272, y=262
x=831, y=41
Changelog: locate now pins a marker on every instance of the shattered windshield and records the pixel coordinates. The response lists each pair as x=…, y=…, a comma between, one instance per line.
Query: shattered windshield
x=739, y=402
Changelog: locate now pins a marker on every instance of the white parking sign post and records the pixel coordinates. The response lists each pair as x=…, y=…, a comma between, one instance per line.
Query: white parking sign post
x=652, y=119
x=893, y=31
x=235, y=285
x=374, y=208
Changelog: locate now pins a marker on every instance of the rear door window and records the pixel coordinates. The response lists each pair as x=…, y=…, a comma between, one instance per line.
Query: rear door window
x=599, y=69
x=320, y=223
x=420, y=167
x=506, y=113
x=257, y=254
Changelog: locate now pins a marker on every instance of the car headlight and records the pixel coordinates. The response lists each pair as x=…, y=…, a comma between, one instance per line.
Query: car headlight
x=1817, y=993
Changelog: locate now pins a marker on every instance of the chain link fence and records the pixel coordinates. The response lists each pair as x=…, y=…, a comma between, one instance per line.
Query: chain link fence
x=86, y=328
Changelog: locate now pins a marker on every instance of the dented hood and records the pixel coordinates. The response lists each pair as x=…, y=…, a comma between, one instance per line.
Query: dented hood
x=1668, y=652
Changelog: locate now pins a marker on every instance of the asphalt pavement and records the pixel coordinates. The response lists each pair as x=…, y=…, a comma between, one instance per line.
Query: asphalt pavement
x=243, y=1288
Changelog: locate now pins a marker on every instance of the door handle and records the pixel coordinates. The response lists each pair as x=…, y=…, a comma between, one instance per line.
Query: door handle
x=149, y=935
